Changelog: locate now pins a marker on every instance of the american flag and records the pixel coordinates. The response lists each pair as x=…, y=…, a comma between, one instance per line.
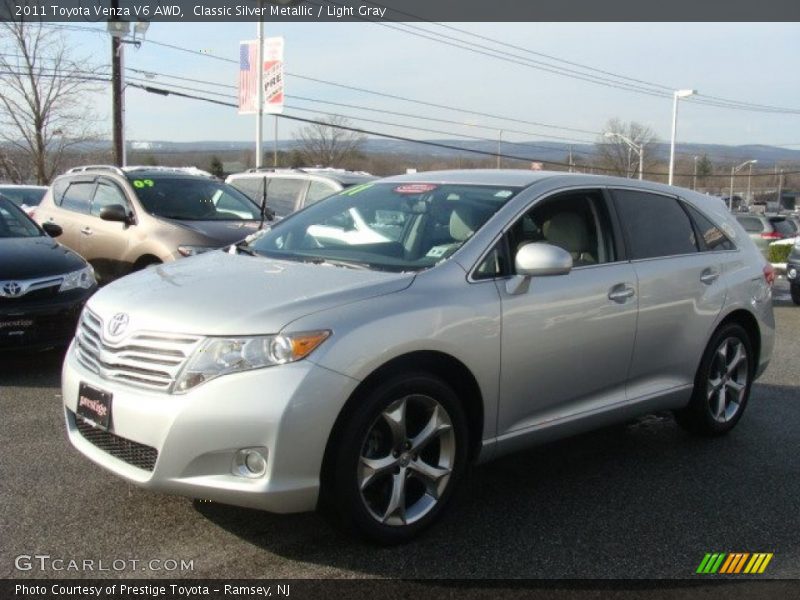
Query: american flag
x=248, y=77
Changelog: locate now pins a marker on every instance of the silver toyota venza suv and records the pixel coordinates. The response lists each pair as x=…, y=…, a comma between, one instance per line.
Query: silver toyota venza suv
x=361, y=353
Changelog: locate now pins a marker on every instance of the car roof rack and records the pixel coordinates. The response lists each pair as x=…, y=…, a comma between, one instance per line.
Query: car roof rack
x=274, y=170
x=85, y=168
x=191, y=170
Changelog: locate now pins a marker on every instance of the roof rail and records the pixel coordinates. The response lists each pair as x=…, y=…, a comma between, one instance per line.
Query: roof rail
x=84, y=168
x=274, y=170
x=191, y=170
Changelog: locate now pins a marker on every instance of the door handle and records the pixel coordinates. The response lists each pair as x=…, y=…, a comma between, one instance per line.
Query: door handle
x=709, y=276
x=86, y=231
x=620, y=293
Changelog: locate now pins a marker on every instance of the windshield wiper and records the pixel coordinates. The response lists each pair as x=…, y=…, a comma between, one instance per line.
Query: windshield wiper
x=350, y=264
x=245, y=248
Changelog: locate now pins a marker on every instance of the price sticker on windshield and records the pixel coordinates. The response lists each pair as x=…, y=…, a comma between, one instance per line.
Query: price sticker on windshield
x=141, y=183
x=415, y=188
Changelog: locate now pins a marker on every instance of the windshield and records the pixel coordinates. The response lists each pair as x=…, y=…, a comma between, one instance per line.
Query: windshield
x=14, y=223
x=385, y=226
x=193, y=199
x=20, y=196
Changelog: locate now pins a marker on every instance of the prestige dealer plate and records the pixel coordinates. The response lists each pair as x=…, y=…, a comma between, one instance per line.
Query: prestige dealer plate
x=94, y=405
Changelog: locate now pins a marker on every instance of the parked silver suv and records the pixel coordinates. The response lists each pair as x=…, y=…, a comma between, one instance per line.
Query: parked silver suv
x=122, y=220
x=289, y=190
x=361, y=352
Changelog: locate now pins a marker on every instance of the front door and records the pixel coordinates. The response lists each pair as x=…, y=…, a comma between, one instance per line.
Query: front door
x=567, y=339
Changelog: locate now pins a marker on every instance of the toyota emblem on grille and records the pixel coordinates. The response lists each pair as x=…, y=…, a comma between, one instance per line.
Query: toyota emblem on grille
x=117, y=324
x=12, y=289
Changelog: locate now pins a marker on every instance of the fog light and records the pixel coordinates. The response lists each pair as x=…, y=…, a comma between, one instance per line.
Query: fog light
x=250, y=462
x=792, y=273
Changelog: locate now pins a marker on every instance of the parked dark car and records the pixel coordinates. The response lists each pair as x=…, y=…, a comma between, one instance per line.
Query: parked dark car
x=43, y=285
x=793, y=272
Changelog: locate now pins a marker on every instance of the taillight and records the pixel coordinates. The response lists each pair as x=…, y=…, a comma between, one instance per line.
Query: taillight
x=769, y=274
x=774, y=235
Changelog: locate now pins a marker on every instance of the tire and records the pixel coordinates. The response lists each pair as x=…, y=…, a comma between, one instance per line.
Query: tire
x=722, y=384
x=143, y=263
x=389, y=482
x=795, y=291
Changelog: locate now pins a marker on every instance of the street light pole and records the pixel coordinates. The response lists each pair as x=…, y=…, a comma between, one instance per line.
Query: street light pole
x=675, y=97
x=733, y=172
x=694, y=174
x=638, y=148
x=749, y=177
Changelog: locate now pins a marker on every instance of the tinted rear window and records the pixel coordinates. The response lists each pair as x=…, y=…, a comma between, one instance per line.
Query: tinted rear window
x=656, y=225
x=783, y=226
x=751, y=224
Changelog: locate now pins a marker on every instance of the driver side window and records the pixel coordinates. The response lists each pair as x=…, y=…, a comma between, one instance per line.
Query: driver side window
x=576, y=221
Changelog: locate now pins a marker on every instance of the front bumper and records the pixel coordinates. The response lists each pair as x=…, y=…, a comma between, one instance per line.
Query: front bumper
x=32, y=324
x=191, y=439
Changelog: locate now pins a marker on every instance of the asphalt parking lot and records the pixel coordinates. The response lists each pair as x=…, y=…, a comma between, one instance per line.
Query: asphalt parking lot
x=642, y=500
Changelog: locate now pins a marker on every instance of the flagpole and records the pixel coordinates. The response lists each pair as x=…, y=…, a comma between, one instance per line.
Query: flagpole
x=260, y=94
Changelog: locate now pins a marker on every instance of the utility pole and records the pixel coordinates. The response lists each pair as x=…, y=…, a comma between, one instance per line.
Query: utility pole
x=780, y=189
x=694, y=175
x=571, y=164
x=499, y=139
x=117, y=99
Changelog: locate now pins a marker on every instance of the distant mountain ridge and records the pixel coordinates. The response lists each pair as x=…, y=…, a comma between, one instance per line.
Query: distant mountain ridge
x=534, y=150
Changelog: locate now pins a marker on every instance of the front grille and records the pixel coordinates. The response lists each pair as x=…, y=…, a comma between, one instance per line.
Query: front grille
x=133, y=453
x=42, y=293
x=142, y=359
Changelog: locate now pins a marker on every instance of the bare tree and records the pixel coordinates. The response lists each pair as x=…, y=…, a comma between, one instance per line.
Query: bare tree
x=327, y=144
x=43, y=103
x=617, y=155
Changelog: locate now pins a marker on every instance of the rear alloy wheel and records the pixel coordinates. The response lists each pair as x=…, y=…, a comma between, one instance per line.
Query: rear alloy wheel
x=794, y=289
x=722, y=384
x=400, y=458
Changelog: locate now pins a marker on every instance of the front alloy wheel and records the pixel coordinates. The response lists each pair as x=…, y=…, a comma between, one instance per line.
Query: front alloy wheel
x=406, y=460
x=401, y=452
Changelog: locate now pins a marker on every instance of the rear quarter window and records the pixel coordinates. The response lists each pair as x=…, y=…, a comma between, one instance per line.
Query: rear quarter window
x=711, y=237
x=655, y=225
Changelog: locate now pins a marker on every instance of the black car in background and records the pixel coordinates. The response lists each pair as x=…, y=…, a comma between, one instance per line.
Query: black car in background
x=43, y=285
x=793, y=271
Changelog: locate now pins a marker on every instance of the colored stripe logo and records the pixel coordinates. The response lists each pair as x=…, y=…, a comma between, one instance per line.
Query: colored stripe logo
x=734, y=563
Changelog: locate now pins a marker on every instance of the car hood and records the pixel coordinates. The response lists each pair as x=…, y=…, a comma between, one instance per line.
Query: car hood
x=34, y=257
x=219, y=233
x=218, y=293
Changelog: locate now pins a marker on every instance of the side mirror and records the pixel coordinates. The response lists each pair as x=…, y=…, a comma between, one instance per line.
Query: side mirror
x=538, y=260
x=114, y=212
x=52, y=229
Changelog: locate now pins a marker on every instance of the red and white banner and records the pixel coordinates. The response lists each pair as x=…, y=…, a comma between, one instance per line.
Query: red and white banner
x=273, y=75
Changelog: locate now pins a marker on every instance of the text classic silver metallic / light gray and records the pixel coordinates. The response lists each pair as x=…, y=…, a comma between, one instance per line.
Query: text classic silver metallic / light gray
x=364, y=350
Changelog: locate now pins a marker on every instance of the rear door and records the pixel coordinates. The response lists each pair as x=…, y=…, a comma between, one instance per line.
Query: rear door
x=105, y=243
x=70, y=210
x=680, y=291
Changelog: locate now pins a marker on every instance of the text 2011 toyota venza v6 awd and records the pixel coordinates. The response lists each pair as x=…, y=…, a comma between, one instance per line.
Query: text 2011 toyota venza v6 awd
x=363, y=351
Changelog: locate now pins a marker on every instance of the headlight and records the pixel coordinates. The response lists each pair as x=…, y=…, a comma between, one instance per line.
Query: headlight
x=220, y=356
x=192, y=250
x=78, y=279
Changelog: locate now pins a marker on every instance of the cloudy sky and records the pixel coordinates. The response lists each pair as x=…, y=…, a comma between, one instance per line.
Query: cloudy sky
x=747, y=62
